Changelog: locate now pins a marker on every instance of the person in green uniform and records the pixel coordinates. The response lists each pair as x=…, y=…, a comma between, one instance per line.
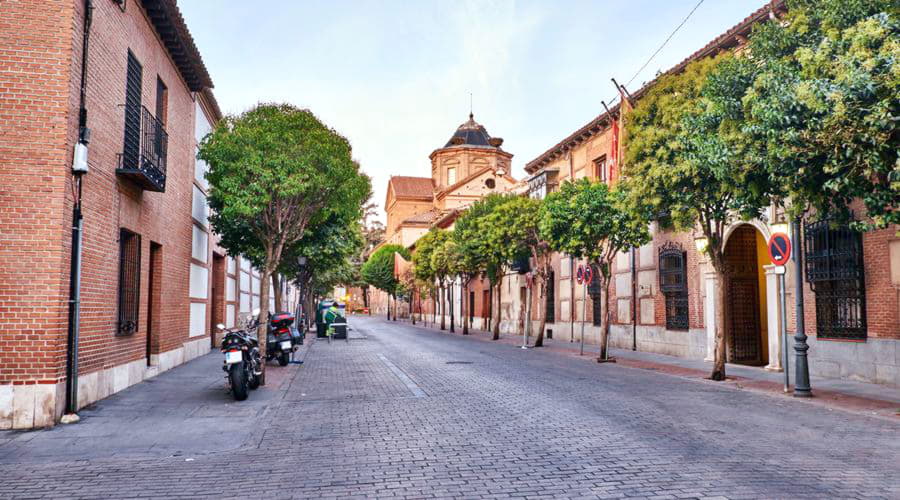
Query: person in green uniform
x=329, y=316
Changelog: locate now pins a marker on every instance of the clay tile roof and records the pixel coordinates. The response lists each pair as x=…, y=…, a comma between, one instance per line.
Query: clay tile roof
x=422, y=218
x=412, y=187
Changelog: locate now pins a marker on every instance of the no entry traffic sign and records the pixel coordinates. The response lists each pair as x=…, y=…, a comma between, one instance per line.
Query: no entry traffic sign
x=588, y=275
x=779, y=249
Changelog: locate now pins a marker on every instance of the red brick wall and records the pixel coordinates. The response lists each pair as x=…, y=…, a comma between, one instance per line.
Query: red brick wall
x=35, y=207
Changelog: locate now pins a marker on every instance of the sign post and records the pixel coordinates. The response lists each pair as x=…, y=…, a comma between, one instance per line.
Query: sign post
x=780, y=252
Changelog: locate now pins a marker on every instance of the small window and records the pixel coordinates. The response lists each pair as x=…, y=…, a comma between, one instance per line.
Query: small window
x=834, y=270
x=673, y=284
x=162, y=101
x=129, y=281
x=600, y=168
x=490, y=183
x=451, y=176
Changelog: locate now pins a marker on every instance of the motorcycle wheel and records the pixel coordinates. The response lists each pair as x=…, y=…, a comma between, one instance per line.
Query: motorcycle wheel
x=253, y=378
x=284, y=358
x=238, y=378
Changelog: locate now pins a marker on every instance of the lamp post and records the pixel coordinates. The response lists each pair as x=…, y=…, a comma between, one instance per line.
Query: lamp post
x=301, y=265
x=802, y=388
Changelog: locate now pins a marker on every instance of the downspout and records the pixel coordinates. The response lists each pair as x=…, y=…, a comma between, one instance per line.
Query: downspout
x=634, y=301
x=572, y=299
x=79, y=168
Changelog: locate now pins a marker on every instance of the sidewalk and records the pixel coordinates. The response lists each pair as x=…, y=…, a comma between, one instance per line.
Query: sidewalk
x=186, y=411
x=849, y=395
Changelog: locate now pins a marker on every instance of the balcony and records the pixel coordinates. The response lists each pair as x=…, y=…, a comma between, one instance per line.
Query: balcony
x=143, y=156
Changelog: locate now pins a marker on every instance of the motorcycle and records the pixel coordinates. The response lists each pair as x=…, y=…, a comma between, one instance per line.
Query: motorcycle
x=280, y=340
x=242, y=360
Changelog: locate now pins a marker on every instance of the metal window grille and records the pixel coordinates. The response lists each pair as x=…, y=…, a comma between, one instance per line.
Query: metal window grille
x=834, y=270
x=549, y=305
x=129, y=281
x=131, y=148
x=673, y=284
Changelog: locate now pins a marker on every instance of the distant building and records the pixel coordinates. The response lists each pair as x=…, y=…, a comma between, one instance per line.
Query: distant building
x=469, y=166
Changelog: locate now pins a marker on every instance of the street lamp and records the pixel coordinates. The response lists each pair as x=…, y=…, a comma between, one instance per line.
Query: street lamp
x=301, y=265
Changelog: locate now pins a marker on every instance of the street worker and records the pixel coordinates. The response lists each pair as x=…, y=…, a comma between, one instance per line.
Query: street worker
x=329, y=317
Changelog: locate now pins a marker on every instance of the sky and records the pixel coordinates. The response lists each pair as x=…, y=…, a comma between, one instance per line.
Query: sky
x=395, y=77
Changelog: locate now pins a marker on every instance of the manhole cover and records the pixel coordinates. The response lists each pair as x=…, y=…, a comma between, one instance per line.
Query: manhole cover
x=459, y=362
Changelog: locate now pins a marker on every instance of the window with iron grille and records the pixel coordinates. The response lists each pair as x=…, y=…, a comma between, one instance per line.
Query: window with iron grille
x=129, y=281
x=131, y=149
x=834, y=270
x=549, y=305
x=673, y=284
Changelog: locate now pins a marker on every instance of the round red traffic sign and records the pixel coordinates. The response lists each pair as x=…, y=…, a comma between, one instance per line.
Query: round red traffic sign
x=588, y=275
x=779, y=249
x=579, y=275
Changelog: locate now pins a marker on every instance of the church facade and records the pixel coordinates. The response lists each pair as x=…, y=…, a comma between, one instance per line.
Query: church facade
x=472, y=164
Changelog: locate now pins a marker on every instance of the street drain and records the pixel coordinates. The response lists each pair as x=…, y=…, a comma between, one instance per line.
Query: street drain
x=458, y=362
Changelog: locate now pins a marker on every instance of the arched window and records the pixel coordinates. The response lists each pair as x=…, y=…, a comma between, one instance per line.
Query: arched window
x=673, y=284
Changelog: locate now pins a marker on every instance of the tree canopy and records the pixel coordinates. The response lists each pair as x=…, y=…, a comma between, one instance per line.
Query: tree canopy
x=378, y=271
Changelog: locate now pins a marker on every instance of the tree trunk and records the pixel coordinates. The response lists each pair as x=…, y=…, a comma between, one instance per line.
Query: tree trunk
x=465, y=308
x=276, y=289
x=388, y=307
x=539, y=340
x=262, y=330
x=451, y=308
x=718, y=371
x=604, y=318
x=495, y=328
x=365, y=291
x=443, y=307
x=412, y=307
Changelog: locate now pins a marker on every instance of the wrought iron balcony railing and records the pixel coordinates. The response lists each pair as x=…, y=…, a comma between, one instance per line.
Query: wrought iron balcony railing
x=143, y=156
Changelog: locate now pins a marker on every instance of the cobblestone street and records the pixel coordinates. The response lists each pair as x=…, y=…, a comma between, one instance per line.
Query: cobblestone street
x=400, y=411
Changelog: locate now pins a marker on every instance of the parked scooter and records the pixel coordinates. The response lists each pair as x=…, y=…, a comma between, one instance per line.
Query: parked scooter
x=280, y=342
x=242, y=359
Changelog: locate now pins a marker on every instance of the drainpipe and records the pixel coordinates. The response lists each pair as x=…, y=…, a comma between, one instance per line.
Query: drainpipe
x=79, y=168
x=572, y=299
x=634, y=301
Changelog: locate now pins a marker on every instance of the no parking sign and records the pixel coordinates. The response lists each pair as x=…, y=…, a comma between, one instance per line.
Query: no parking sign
x=779, y=249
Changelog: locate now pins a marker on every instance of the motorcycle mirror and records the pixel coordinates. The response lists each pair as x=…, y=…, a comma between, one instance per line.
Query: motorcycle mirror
x=220, y=326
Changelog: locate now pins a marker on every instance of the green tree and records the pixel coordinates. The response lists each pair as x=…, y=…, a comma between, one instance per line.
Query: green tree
x=443, y=263
x=587, y=220
x=821, y=112
x=378, y=271
x=424, y=265
x=685, y=167
x=272, y=170
x=517, y=229
x=477, y=249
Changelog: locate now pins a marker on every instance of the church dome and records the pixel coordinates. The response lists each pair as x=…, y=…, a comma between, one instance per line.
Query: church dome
x=472, y=133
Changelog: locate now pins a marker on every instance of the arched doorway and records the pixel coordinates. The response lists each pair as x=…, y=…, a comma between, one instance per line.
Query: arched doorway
x=745, y=298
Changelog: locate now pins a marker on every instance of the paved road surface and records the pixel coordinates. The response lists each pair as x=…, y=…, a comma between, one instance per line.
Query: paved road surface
x=406, y=412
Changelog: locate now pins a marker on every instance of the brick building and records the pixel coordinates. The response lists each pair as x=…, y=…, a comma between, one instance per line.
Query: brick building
x=662, y=297
x=153, y=280
x=469, y=166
